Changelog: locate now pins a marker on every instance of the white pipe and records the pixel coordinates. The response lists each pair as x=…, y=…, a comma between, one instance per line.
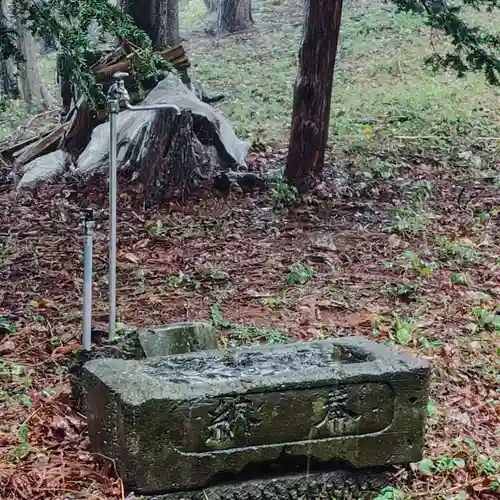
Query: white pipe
x=153, y=107
x=114, y=108
x=118, y=93
x=87, y=280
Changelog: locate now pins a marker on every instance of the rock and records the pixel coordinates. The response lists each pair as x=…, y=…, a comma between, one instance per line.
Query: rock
x=341, y=484
x=184, y=422
x=43, y=169
x=137, y=344
x=177, y=338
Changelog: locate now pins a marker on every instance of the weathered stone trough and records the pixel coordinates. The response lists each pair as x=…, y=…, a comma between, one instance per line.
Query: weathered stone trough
x=189, y=421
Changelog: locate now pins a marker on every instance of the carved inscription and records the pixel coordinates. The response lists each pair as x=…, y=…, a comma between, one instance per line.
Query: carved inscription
x=293, y=416
x=231, y=422
x=338, y=419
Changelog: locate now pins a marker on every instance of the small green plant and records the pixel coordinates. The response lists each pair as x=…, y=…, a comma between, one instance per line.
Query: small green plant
x=460, y=279
x=407, y=220
x=431, y=408
x=247, y=333
x=445, y=464
x=213, y=273
x=412, y=217
x=257, y=334
x=488, y=466
x=11, y=370
x=157, y=230
x=7, y=326
x=184, y=281
x=217, y=318
x=298, y=274
x=402, y=330
x=274, y=302
x=401, y=290
x=390, y=493
x=486, y=216
x=486, y=319
x=383, y=170
x=442, y=465
x=454, y=251
x=412, y=260
x=23, y=449
x=430, y=344
x=421, y=193
x=283, y=195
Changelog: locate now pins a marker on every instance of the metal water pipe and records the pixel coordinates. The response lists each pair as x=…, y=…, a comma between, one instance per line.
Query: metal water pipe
x=117, y=96
x=87, y=221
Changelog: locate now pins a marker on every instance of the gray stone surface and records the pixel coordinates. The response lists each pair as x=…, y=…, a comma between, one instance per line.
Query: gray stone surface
x=177, y=338
x=44, y=168
x=179, y=422
x=333, y=485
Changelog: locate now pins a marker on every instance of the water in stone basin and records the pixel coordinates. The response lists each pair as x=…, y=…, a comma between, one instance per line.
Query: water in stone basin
x=236, y=363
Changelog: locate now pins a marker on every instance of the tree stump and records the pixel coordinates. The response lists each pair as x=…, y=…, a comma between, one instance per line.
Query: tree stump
x=167, y=154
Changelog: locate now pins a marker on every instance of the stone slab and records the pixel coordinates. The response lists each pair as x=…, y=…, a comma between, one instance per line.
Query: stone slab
x=191, y=420
x=135, y=343
x=177, y=338
x=333, y=485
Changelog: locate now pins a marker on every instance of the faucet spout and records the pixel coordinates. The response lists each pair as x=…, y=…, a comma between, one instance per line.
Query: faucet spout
x=153, y=107
x=118, y=92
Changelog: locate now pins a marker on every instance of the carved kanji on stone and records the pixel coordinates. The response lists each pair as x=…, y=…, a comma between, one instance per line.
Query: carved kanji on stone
x=338, y=418
x=231, y=422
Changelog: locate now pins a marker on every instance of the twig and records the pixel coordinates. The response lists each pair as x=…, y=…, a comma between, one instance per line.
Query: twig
x=25, y=126
x=122, y=487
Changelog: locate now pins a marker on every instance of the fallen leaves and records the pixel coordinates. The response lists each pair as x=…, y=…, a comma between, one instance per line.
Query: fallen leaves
x=41, y=320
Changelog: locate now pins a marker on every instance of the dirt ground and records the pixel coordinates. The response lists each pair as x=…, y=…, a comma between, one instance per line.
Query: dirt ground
x=400, y=243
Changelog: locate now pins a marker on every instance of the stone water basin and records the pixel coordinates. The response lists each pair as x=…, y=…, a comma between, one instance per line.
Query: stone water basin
x=191, y=420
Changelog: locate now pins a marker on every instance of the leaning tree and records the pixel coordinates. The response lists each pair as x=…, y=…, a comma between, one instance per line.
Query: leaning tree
x=473, y=50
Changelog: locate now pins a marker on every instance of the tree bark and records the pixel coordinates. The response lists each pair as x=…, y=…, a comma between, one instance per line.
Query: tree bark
x=158, y=18
x=313, y=93
x=8, y=79
x=212, y=6
x=32, y=87
x=28, y=70
x=234, y=16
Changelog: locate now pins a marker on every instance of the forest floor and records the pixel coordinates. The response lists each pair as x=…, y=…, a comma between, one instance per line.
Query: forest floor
x=400, y=244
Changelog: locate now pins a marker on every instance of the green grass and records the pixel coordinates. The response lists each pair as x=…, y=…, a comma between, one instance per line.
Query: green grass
x=383, y=97
x=15, y=112
x=382, y=90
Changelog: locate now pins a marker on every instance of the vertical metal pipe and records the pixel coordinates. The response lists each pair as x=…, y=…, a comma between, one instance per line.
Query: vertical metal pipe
x=118, y=93
x=88, y=225
x=113, y=113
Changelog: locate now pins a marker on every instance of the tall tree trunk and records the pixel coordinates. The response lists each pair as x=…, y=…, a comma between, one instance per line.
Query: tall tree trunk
x=8, y=78
x=212, y=6
x=313, y=93
x=32, y=88
x=158, y=18
x=234, y=15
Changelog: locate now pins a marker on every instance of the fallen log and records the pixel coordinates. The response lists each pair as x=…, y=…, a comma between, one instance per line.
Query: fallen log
x=45, y=145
